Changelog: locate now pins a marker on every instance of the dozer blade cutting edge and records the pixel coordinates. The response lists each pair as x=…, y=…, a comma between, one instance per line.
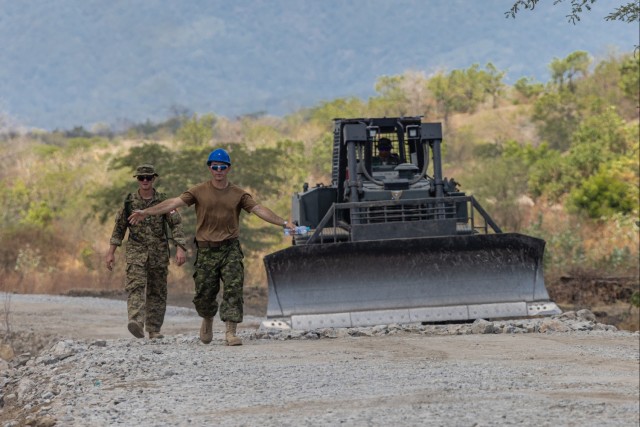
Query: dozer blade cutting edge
x=431, y=279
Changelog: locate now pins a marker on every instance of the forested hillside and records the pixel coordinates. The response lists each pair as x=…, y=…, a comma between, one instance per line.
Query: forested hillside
x=557, y=160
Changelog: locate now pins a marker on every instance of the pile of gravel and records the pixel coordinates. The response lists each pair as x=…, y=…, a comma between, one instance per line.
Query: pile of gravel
x=583, y=320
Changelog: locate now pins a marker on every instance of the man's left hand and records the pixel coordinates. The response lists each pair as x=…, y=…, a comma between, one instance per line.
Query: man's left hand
x=291, y=226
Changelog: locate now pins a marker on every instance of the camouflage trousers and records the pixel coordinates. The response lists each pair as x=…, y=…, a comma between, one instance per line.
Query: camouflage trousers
x=215, y=264
x=146, y=286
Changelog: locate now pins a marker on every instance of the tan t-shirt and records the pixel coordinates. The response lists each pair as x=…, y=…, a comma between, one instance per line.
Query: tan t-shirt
x=218, y=211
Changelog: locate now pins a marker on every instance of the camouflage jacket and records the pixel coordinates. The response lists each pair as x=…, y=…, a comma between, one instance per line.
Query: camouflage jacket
x=150, y=234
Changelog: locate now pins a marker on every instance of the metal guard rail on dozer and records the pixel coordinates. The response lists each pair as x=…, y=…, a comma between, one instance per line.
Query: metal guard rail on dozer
x=332, y=229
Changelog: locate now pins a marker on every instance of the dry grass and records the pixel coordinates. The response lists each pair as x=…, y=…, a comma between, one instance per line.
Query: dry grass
x=509, y=122
x=600, y=247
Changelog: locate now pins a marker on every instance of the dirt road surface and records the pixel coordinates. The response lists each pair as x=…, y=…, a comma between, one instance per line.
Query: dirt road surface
x=568, y=371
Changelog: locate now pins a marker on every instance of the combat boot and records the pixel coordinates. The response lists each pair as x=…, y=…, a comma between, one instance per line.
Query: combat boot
x=206, y=330
x=136, y=329
x=230, y=336
x=155, y=335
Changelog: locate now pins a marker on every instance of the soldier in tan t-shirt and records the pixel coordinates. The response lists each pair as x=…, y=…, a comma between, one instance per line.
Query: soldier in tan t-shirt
x=218, y=203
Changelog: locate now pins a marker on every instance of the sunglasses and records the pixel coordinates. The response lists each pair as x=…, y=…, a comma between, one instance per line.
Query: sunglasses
x=145, y=177
x=219, y=167
x=384, y=148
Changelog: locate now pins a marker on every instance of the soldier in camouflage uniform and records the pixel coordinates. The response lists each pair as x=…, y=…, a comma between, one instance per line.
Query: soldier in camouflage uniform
x=147, y=255
x=218, y=204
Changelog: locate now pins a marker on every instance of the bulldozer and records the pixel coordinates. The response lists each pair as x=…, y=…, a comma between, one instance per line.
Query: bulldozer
x=395, y=242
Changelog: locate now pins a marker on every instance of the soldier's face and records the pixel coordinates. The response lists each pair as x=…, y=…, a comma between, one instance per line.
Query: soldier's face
x=145, y=182
x=219, y=170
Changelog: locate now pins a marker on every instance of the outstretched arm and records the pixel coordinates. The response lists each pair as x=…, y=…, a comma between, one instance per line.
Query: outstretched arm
x=268, y=215
x=159, y=209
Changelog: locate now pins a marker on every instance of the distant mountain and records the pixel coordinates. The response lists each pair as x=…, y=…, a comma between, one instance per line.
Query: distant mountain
x=67, y=63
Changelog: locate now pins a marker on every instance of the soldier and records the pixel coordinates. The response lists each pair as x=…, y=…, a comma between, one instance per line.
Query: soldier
x=147, y=255
x=385, y=156
x=218, y=203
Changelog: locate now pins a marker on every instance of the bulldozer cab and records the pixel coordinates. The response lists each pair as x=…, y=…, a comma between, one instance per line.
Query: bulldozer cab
x=361, y=138
x=407, y=198
x=393, y=139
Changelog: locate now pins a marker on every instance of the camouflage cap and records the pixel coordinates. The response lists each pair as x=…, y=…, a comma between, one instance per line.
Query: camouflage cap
x=145, y=170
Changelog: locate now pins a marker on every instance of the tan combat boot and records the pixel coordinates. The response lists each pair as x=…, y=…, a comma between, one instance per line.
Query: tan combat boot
x=230, y=336
x=206, y=330
x=155, y=335
x=136, y=329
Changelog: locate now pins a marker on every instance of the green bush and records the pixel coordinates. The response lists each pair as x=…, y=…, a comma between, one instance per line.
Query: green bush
x=614, y=189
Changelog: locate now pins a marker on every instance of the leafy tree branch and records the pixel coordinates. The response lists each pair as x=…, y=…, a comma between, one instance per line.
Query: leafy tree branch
x=626, y=13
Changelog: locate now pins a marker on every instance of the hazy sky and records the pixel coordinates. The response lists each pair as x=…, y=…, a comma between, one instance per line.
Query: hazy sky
x=81, y=62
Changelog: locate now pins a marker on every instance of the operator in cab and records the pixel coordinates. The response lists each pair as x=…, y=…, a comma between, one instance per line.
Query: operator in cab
x=385, y=156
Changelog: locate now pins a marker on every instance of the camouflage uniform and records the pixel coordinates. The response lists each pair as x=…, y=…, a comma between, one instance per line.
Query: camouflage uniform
x=147, y=256
x=212, y=265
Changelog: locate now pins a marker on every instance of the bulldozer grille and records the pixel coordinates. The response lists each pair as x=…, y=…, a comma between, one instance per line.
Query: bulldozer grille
x=387, y=219
x=403, y=212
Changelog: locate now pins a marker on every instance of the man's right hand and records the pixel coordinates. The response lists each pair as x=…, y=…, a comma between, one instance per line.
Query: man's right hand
x=110, y=259
x=136, y=217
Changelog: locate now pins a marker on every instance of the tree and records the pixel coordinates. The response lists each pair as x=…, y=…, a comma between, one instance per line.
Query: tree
x=393, y=99
x=546, y=175
x=493, y=82
x=324, y=113
x=404, y=95
x=445, y=98
x=630, y=77
x=471, y=83
x=460, y=91
x=528, y=88
x=500, y=181
x=628, y=12
x=198, y=131
x=414, y=85
x=607, y=83
x=603, y=150
x=322, y=155
x=576, y=63
x=613, y=189
x=557, y=115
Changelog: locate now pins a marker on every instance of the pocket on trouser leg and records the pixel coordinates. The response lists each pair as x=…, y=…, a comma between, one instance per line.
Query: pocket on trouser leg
x=136, y=281
x=207, y=284
x=231, y=308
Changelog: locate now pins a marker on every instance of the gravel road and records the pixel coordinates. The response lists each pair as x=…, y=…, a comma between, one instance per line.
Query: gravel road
x=566, y=370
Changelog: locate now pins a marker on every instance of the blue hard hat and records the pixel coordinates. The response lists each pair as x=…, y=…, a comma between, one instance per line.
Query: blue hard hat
x=219, y=155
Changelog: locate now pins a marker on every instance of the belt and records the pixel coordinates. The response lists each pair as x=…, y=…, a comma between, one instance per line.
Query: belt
x=215, y=244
